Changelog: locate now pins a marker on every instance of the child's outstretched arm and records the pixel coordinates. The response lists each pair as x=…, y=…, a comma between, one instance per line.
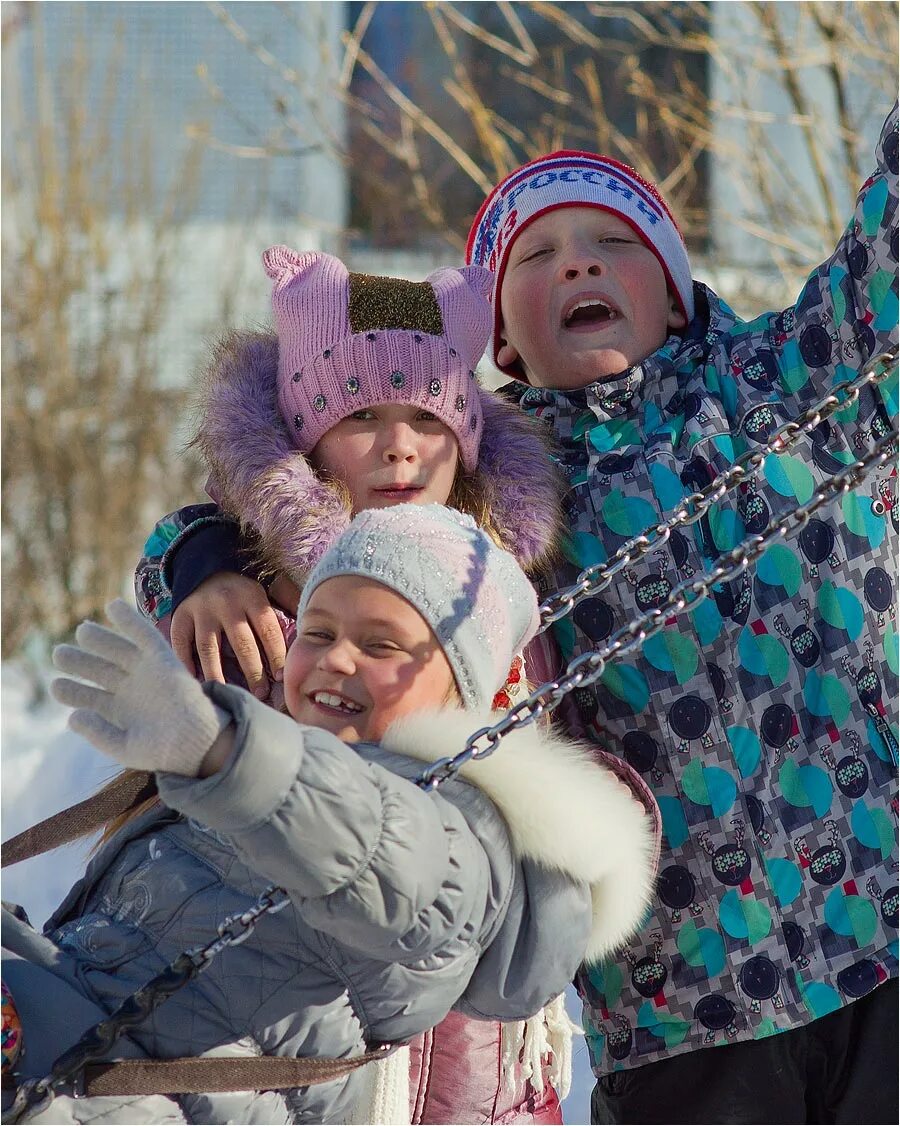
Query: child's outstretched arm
x=507, y=878
x=195, y=583
x=388, y=870
x=847, y=311
x=367, y=856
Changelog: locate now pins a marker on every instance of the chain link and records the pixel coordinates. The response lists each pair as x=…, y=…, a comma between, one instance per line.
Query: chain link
x=588, y=667
x=237, y=928
x=596, y=578
x=34, y=1094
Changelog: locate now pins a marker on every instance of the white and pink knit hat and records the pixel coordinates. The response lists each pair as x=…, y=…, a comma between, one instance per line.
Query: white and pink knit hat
x=476, y=598
x=351, y=341
x=577, y=179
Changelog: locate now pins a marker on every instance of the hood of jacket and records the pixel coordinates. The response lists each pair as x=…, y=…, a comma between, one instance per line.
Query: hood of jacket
x=261, y=478
x=562, y=807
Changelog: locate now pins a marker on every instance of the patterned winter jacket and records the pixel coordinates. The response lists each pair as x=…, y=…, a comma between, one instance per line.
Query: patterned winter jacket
x=764, y=719
x=488, y=913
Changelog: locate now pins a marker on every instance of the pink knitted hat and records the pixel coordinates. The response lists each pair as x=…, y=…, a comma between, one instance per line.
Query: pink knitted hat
x=351, y=341
x=577, y=179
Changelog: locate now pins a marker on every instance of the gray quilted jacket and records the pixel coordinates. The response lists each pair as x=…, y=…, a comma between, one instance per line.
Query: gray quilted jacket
x=481, y=897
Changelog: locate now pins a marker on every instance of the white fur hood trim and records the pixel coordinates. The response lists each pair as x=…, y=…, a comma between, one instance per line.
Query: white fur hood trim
x=562, y=807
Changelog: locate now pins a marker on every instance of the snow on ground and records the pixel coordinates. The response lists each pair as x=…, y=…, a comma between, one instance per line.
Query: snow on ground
x=45, y=767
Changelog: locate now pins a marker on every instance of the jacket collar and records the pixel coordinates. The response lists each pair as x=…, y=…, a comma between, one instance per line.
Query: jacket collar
x=623, y=394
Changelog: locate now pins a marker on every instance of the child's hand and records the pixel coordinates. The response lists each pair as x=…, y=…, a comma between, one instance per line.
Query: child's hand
x=237, y=607
x=139, y=705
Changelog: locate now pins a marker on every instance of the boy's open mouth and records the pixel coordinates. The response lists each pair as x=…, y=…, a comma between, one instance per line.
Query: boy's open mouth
x=589, y=312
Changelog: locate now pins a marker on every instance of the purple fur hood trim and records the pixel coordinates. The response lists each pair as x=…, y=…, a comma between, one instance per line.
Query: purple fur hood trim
x=260, y=477
x=524, y=486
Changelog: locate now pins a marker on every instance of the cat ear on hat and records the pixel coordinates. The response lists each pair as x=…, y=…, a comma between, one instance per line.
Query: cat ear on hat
x=282, y=264
x=309, y=299
x=480, y=279
x=463, y=298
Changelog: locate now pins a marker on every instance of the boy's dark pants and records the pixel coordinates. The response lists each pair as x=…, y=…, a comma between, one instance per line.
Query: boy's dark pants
x=840, y=1068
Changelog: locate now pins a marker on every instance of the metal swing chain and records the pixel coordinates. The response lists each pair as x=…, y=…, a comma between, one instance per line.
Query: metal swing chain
x=596, y=578
x=95, y=1044
x=588, y=667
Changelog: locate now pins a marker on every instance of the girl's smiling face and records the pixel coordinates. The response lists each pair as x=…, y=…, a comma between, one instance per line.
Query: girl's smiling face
x=363, y=657
x=389, y=454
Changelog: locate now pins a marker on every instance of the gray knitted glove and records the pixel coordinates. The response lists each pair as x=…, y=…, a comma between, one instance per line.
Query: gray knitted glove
x=146, y=711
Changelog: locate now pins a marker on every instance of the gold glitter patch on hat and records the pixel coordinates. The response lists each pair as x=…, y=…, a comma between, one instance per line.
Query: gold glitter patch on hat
x=380, y=303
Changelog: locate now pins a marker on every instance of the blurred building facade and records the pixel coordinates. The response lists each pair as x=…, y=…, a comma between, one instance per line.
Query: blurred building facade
x=196, y=92
x=249, y=88
x=217, y=75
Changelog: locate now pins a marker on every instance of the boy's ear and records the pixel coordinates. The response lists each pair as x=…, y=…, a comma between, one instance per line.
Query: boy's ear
x=506, y=353
x=677, y=320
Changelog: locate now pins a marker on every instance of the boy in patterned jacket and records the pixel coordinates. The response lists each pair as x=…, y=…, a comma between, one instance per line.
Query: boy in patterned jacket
x=764, y=719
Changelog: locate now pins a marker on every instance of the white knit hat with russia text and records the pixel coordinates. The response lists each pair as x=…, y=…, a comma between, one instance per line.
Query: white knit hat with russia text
x=577, y=179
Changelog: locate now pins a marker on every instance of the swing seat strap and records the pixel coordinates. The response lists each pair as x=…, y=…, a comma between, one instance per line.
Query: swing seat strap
x=207, y=1075
x=128, y=790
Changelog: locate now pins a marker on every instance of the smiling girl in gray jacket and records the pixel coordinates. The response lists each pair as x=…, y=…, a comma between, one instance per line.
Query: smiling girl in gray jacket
x=482, y=896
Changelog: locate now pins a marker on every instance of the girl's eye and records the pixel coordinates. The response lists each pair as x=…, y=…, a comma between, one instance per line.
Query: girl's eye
x=383, y=647
x=615, y=238
x=427, y=416
x=318, y=635
x=362, y=416
x=532, y=254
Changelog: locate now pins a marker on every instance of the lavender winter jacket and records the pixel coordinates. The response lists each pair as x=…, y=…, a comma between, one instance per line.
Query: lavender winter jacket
x=481, y=897
x=456, y=1072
